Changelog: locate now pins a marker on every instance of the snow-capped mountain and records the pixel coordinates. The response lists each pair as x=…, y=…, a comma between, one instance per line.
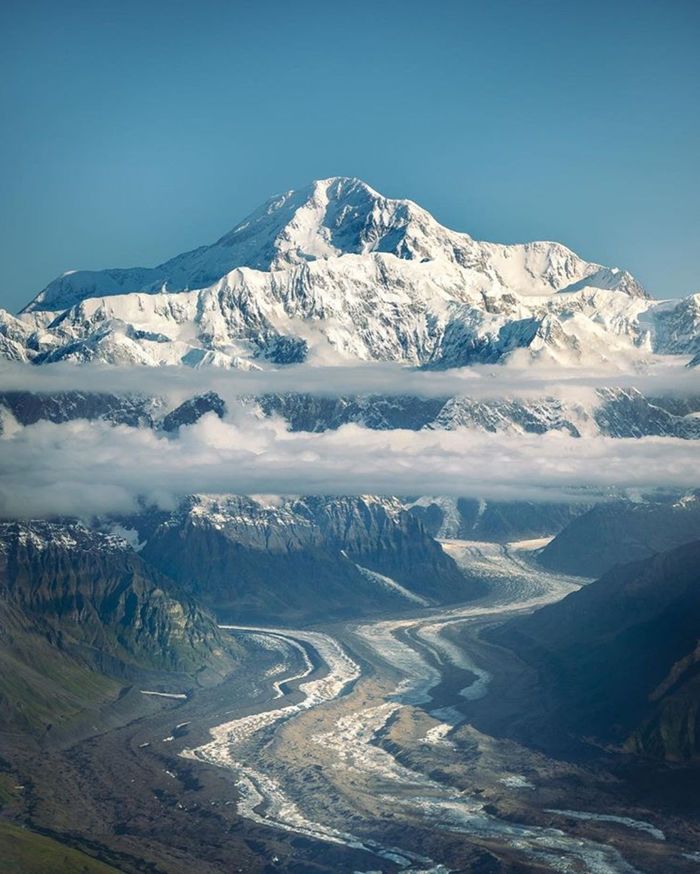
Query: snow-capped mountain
x=371, y=308
x=337, y=272
x=335, y=217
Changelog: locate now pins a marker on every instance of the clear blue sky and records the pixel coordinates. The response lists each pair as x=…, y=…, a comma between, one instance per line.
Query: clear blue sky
x=135, y=130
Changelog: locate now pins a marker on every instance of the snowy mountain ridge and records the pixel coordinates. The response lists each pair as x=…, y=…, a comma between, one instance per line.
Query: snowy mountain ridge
x=335, y=217
x=370, y=308
x=337, y=272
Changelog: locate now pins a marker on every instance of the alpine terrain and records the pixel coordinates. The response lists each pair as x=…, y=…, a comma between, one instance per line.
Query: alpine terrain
x=350, y=543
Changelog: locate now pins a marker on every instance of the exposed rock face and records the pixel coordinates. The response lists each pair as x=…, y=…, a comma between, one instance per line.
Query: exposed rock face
x=627, y=413
x=498, y=521
x=305, y=412
x=618, y=660
x=527, y=417
x=30, y=407
x=612, y=412
x=301, y=558
x=192, y=410
x=673, y=729
x=622, y=531
x=382, y=536
x=80, y=610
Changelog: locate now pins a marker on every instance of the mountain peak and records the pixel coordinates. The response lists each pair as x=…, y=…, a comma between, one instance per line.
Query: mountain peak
x=338, y=186
x=333, y=217
x=340, y=215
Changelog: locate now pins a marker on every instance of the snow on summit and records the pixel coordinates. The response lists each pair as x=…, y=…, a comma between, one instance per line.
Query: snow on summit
x=328, y=219
x=335, y=272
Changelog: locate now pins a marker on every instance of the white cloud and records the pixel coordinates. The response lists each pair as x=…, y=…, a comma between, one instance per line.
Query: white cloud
x=386, y=378
x=83, y=468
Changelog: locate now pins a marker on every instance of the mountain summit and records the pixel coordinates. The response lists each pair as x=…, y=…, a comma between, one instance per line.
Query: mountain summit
x=331, y=218
x=337, y=272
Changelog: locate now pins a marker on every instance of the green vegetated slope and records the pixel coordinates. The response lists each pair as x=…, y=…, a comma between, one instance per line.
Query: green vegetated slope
x=25, y=852
x=82, y=617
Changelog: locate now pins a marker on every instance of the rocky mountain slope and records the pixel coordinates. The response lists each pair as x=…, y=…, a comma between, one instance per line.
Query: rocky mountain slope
x=610, y=412
x=622, y=531
x=492, y=521
x=28, y=407
x=82, y=616
x=617, y=660
x=292, y=559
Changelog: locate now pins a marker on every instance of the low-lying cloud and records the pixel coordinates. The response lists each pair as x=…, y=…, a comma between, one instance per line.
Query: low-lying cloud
x=378, y=378
x=85, y=468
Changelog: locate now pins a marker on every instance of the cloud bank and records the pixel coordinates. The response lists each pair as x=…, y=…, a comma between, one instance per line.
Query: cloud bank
x=85, y=468
x=384, y=378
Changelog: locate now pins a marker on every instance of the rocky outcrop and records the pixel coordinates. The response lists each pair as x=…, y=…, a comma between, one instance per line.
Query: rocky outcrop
x=673, y=730
x=190, y=411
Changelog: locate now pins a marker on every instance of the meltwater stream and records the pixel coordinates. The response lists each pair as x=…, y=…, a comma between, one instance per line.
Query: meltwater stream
x=349, y=740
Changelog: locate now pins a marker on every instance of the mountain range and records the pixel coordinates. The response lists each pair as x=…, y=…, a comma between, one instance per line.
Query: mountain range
x=618, y=532
x=331, y=273
x=335, y=272
x=270, y=558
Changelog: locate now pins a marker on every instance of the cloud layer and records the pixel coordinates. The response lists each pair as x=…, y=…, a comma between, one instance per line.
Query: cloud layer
x=387, y=378
x=85, y=468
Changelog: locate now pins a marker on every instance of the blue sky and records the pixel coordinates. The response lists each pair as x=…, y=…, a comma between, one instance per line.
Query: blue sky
x=135, y=130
